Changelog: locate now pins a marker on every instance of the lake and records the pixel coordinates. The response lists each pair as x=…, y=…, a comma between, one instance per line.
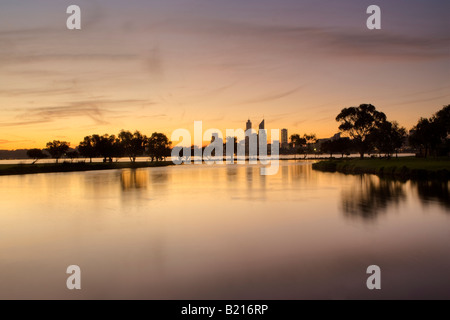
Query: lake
x=223, y=232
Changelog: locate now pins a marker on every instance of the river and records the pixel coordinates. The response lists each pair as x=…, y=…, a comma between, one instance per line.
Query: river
x=222, y=232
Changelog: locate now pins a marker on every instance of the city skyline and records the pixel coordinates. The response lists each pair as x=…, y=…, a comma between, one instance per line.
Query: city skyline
x=159, y=66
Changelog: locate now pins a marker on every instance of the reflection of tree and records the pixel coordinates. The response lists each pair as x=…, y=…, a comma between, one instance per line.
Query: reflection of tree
x=133, y=179
x=371, y=197
x=433, y=191
x=159, y=176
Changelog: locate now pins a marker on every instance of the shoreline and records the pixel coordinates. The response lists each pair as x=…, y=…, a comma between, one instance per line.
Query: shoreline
x=407, y=168
x=22, y=169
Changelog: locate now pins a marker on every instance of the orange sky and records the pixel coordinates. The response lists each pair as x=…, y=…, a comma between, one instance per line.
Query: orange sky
x=161, y=65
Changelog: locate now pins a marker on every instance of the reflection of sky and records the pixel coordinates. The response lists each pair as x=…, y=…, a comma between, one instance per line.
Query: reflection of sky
x=160, y=65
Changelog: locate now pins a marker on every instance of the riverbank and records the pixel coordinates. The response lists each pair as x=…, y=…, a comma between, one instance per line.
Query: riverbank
x=401, y=168
x=18, y=169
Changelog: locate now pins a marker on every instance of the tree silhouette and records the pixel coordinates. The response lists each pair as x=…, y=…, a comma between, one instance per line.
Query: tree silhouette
x=425, y=136
x=133, y=144
x=432, y=136
x=388, y=137
x=359, y=123
x=342, y=146
x=57, y=149
x=158, y=146
x=441, y=120
x=87, y=149
x=72, y=155
x=310, y=140
x=297, y=142
x=36, y=154
x=105, y=146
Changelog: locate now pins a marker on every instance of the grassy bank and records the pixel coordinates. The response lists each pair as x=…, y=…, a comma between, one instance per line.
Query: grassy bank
x=11, y=169
x=402, y=168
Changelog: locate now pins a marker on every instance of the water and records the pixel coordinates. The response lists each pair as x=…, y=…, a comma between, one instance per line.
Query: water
x=222, y=232
x=193, y=158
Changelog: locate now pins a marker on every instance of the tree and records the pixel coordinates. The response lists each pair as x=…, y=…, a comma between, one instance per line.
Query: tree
x=431, y=136
x=388, y=137
x=442, y=122
x=72, y=155
x=359, y=122
x=297, y=142
x=36, y=154
x=158, y=146
x=132, y=143
x=425, y=136
x=310, y=140
x=327, y=147
x=342, y=146
x=105, y=146
x=87, y=149
x=57, y=149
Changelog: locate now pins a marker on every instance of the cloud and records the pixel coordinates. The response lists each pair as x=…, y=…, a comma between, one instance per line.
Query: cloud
x=409, y=102
x=36, y=92
x=33, y=58
x=336, y=42
x=92, y=109
x=272, y=97
x=3, y=141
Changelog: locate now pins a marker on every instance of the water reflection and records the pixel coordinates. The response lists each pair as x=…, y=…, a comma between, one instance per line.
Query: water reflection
x=222, y=232
x=371, y=196
x=133, y=179
x=159, y=176
x=433, y=191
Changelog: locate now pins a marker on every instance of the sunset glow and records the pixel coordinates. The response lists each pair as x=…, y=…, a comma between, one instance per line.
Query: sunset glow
x=161, y=65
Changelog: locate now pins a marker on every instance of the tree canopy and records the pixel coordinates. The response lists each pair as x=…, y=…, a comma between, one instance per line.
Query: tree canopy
x=359, y=123
x=36, y=154
x=158, y=146
x=57, y=149
x=431, y=135
x=388, y=137
x=133, y=144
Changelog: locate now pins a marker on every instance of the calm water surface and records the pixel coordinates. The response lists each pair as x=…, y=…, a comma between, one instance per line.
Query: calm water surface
x=222, y=232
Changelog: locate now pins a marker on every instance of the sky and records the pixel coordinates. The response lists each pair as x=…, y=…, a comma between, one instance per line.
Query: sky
x=160, y=65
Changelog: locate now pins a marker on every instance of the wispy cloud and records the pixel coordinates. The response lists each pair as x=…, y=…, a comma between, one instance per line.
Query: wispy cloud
x=33, y=58
x=272, y=97
x=92, y=109
x=337, y=42
x=3, y=141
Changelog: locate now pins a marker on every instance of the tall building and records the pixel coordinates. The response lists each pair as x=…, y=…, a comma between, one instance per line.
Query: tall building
x=261, y=125
x=249, y=125
x=284, y=138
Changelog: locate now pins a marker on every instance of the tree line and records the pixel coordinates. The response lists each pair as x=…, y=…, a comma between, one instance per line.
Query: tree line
x=125, y=144
x=369, y=131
